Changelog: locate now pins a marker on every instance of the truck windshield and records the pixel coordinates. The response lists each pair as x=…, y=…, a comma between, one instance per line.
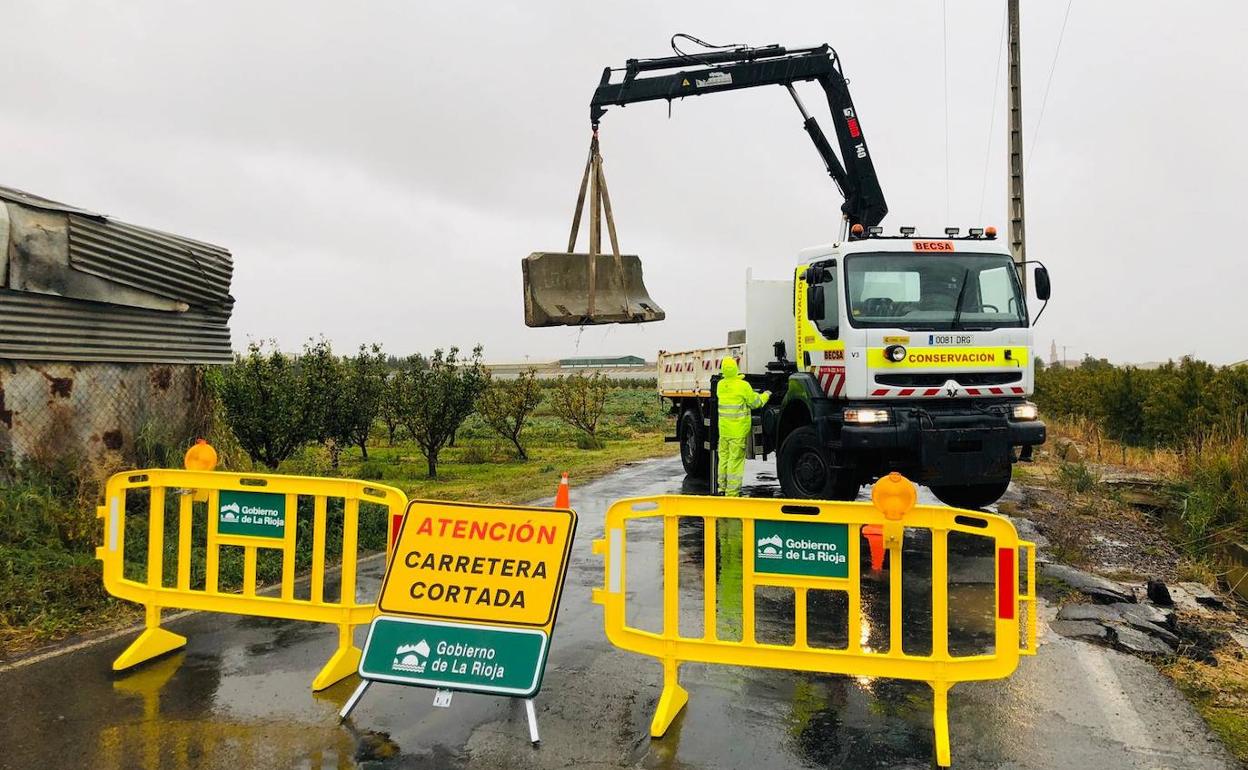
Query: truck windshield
x=921, y=291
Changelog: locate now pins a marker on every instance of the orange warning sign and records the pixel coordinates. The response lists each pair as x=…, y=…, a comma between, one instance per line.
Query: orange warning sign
x=491, y=563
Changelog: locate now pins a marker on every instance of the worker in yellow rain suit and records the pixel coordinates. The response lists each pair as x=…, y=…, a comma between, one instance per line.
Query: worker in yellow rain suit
x=736, y=400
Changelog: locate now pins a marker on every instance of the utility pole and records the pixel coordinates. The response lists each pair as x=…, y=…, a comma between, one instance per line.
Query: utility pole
x=1018, y=241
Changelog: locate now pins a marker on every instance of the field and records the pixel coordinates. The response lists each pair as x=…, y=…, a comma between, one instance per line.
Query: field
x=50, y=586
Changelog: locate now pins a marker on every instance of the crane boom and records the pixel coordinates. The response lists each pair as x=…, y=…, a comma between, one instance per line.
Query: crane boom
x=748, y=67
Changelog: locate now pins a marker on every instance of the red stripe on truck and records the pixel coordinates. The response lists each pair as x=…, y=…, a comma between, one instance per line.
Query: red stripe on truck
x=880, y=392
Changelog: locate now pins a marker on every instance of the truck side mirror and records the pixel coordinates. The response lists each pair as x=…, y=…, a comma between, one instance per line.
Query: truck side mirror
x=814, y=302
x=1043, y=288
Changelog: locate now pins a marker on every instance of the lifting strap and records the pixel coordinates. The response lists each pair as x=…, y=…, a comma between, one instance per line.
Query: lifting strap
x=594, y=181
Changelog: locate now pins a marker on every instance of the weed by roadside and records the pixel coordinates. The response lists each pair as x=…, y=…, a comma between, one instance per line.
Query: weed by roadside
x=1220, y=694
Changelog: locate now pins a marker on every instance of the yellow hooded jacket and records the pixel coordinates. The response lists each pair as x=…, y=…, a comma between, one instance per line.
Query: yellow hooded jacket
x=736, y=399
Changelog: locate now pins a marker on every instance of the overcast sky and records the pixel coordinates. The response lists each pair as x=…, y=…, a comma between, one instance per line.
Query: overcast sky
x=378, y=170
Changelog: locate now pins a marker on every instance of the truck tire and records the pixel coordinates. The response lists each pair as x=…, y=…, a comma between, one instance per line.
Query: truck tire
x=693, y=452
x=970, y=496
x=805, y=468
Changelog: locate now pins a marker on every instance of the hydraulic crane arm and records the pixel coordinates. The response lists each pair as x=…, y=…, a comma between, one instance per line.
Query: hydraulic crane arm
x=719, y=70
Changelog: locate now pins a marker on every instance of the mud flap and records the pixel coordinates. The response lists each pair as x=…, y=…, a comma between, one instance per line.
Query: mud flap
x=557, y=290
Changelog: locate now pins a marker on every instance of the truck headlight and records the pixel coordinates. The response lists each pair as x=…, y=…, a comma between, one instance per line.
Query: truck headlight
x=866, y=416
x=895, y=353
x=1025, y=411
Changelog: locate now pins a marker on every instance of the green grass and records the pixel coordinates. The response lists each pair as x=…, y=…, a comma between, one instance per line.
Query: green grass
x=1220, y=694
x=50, y=582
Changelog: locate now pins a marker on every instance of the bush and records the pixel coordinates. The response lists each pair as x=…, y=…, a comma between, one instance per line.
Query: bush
x=586, y=441
x=1077, y=477
x=1175, y=405
x=1216, y=482
x=371, y=470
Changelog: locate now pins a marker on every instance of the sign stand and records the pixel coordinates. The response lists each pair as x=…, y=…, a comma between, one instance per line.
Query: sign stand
x=354, y=700
x=468, y=603
x=534, y=738
x=529, y=710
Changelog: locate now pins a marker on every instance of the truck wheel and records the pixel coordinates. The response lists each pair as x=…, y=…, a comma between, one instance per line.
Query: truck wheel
x=972, y=496
x=805, y=469
x=693, y=453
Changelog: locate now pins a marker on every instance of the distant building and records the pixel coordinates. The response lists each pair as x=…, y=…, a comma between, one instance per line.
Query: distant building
x=591, y=362
x=104, y=328
x=615, y=367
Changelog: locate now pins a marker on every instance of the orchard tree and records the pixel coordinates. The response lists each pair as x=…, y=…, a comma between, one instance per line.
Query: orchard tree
x=262, y=395
x=438, y=394
x=365, y=389
x=391, y=410
x=326, y=401
x=579, y=400
x=506, y=405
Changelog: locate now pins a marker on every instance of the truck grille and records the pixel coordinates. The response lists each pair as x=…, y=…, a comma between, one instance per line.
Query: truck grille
x=966, y=379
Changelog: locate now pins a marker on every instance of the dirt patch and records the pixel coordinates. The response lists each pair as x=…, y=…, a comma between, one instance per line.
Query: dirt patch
x=1092, y=530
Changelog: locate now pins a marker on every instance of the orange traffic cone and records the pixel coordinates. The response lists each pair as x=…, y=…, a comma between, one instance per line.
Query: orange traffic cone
x=875, y=540
x=561, y=496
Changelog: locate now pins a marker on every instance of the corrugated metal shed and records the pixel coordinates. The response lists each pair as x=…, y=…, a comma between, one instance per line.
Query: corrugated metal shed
x=42, y=327
x=78, y=286
x=167, y=265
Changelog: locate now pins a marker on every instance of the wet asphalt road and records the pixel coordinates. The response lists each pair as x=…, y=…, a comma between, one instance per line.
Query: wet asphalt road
x=238, y=696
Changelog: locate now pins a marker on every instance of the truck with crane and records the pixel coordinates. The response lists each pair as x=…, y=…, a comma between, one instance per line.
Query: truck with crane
x=883, y=352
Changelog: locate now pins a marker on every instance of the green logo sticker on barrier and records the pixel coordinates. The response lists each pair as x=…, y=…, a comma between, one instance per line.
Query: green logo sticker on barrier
x=801, y=548
x=457, y=656
x=255, y=514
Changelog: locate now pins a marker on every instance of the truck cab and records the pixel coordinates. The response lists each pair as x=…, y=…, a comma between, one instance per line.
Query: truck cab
x=881, y=354
x=910, y=354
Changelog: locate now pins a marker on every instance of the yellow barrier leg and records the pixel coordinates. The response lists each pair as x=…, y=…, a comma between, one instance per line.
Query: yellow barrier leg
x=344, y=663
x=940, y=721
x=672, y=700
x=153, y=642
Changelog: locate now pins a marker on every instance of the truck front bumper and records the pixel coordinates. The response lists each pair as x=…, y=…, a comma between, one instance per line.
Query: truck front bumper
x=948, y=445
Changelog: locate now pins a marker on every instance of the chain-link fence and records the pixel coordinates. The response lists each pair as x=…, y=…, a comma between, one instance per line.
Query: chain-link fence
x=57, y=412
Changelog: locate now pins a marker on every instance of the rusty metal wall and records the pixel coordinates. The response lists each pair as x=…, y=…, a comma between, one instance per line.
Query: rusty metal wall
x=52, y=411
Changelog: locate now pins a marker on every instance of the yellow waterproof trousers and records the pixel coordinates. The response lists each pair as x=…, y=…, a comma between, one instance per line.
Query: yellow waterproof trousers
x=731, y=465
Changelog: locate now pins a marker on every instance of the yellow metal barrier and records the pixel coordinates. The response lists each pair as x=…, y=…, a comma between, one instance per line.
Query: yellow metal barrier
x=816, y=545
x=251, y=511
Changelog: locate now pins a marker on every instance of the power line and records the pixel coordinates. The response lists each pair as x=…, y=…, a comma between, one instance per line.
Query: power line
x=1035, y=136
x=944, y=27
x=992, y=114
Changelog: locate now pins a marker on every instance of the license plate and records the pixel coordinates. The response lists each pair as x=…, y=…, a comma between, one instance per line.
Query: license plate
x=950, y=339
